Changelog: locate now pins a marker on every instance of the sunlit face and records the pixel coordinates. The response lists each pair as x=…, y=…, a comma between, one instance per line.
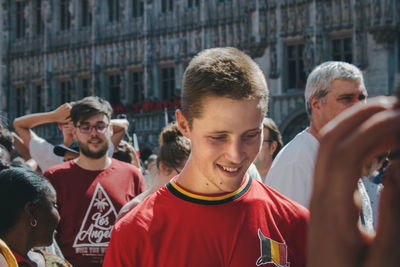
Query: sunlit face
x=266, y=152
x=342, y=95
x=93, y=136
x=224, y=141
x=67, y=127
x=47, y=218
x=70, y=155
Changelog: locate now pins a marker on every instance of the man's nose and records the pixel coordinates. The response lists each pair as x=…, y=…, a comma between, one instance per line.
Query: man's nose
x=235, y=152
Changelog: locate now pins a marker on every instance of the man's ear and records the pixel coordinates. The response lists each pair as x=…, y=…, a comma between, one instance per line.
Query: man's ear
x=111, y=129
x=183, y=123
x=315, y=103
x=273, y=147
x=74, y=133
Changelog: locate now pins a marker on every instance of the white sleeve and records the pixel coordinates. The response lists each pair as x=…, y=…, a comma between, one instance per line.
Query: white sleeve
x=292, y=180
x=110, y=151
x=42, y=152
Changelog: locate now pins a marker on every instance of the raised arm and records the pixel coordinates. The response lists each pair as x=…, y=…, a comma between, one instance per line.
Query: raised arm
x=119, y=127
x=20, y=146
x=23, y=125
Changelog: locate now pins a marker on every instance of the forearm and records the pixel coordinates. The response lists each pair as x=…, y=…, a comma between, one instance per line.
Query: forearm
x=21, y=147
x=32, y=120
x=119, y=128
x=24, y=124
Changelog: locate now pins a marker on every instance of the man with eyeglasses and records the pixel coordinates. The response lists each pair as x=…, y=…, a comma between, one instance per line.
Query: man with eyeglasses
x=41, y=150
x=92, y=188
x=272, y=144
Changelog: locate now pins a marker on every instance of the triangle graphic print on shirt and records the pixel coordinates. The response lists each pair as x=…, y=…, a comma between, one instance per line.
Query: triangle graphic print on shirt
x=97, y=224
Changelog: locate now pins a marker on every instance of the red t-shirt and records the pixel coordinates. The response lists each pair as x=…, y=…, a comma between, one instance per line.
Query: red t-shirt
x=88, y=202
x=253, y=226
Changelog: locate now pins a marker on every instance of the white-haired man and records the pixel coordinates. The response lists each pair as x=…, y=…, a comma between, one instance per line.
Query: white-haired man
x=331, y=88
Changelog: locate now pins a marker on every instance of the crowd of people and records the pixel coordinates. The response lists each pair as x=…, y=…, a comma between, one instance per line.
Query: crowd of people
x=222, y=190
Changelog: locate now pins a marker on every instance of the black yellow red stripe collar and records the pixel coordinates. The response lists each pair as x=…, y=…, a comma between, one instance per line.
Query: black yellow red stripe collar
x=184, y=194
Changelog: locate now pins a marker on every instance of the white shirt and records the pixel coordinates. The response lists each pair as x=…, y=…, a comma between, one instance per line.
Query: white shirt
x=42, y=152
x=292, y=170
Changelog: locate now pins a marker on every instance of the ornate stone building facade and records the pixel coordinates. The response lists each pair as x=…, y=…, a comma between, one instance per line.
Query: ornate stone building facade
x=134, y=52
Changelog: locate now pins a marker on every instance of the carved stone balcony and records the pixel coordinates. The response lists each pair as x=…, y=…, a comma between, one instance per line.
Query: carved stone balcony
x=287, y=110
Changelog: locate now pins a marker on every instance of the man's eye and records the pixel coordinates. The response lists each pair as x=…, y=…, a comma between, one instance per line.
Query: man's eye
x=100, y=127
x=217, y=138
x=346, y=99
x=361, y=97
x=85, y=127
x=252, y=135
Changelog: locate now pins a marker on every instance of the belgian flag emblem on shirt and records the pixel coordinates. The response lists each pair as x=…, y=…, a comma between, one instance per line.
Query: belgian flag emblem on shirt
x=272, y=252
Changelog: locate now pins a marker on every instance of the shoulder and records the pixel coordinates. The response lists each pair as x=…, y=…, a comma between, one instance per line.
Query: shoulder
x=139, y=218
x=301, y=143
x=40, y=147
x=144, y=213
x=281, y=205
x=124, y=166
x=59, y=169
x=296, y=157
x=38, y=141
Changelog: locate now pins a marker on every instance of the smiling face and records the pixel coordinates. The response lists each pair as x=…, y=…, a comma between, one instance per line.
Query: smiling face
x=93, y=136
x=225, y=140
x=264, y=159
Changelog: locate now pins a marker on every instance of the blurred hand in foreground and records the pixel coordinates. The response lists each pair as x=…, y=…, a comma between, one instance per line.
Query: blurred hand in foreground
x=349, y=141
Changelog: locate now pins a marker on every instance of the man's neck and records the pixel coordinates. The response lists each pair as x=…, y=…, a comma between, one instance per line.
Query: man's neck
x=314, y=130
x=264, y=169
x=92, y=164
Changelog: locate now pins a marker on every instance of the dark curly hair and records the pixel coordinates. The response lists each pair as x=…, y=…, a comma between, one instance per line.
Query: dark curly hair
x=19, y=186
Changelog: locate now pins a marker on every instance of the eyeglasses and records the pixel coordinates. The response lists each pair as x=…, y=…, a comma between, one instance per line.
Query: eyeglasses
x=86, y=128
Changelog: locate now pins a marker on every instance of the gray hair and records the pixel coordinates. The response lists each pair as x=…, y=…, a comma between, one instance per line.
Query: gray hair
x=320, y=79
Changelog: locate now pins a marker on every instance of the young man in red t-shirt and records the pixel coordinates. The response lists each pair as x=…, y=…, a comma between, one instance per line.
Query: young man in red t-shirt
x=212, y=213
x=92, y=188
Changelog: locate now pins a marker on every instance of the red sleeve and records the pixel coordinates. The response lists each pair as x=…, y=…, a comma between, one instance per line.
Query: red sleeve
x=49, y=176
x=298, y=240
x=139, y=182
x=129, y=247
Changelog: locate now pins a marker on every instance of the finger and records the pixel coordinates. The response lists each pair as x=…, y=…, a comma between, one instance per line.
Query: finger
x=385, y=249
x=377, y=135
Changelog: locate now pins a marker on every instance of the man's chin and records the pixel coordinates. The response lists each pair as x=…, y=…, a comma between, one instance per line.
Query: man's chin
x=93, y=154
